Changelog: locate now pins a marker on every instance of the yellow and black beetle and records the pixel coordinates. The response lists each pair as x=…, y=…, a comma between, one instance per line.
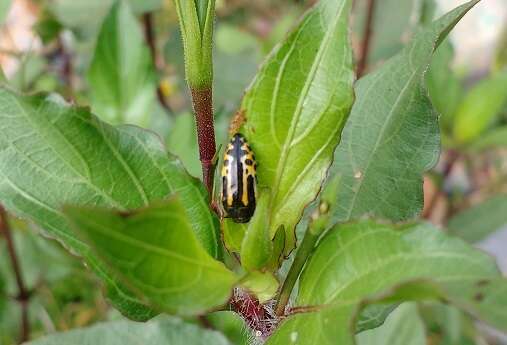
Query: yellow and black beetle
x=239, y=180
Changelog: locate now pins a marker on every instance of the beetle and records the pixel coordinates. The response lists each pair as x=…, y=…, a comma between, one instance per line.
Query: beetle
x=239, y=179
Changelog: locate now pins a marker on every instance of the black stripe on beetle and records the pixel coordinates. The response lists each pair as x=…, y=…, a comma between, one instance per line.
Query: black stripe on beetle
x=239, y=191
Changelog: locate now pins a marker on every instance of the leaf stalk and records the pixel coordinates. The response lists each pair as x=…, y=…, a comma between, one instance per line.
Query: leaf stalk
x=304, y=250
x=366, y=42
x=23, y=296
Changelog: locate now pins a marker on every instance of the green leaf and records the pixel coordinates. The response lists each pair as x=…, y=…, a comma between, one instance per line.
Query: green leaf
x=230, y=324
x=373, y=316
x=156, y=252
x=481, y=106
x=480, y=221
x=403, y=327
x=160, y=331
x=5, y=6
x=392, y=136
x=295, y=111
x=362, y=263
x=500, y=61
x=492, y=139
x=256, y=247
x=234, y=233
x=47, y=27
x=196, y=23
x=121, y=75
x=85, y=17
x=32, y=67
x=263, y=285
x=444, y=86
x=52, y=154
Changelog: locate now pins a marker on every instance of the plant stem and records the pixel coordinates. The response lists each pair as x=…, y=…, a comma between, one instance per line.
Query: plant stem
x=451, y=159
x=365, y=45
x=303, y=252
x=149, y=35
x=23, y=294
x=203, y=107
x=67, y=70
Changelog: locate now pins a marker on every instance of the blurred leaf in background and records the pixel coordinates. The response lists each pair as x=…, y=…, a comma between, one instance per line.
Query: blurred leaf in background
x=121, y=76
x=478, y=222
x=48, y=27
x=32, y=66
x=501, y=52
x=237, y=56
x=404, y=326
x=493, y=139
x=480, y=107
x=4, y=9
x=447, y=325
x=85, y=17
x=182, y=141
x=445, y=87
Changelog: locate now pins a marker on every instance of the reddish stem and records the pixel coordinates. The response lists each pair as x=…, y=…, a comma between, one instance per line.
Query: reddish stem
x=23, y=294
x=203, y=108
x=365, y=45
x=259, y=317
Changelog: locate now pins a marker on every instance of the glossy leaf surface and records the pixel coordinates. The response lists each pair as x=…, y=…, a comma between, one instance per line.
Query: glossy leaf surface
x=296, y=108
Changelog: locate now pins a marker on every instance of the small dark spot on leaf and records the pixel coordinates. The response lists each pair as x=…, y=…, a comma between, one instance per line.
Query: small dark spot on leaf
x=444, y=300
x=226, y=162
x=248, y=161
x=483, y=282
x=479, y=297
x=125, y=214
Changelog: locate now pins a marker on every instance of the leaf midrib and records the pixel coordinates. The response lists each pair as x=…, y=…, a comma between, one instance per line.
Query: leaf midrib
x=148, y=247
x=377, y=142
x=286, y=146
